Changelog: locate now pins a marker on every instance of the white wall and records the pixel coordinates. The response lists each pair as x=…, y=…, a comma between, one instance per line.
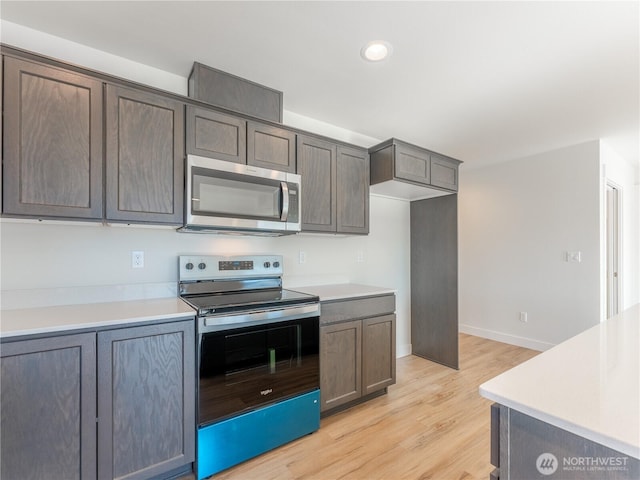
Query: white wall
x=57, y=262
x=516, y=221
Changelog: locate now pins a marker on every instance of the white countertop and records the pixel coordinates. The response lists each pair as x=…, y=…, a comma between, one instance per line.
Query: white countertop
x=588, y=385
x=343, y=291
x=30, y=321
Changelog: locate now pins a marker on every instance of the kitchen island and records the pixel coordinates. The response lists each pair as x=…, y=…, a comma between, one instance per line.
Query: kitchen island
x=572, y=412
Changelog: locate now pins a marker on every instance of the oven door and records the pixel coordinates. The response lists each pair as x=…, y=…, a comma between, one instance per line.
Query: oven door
x=245, y=367
x=229, y=196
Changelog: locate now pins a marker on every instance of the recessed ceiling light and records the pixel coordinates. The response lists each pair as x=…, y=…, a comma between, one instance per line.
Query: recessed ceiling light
x=376, y=51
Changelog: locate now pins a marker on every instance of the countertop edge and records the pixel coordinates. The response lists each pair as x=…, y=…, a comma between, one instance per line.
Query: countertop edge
x=74, y=318
x=344, y=291
x=613, y=443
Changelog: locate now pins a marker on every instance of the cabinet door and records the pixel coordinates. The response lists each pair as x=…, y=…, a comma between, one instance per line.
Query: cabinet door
x=145, y=157
x=52, y=155
x=271, y=147
x=353, y=190
x=444, y=172
x=212, y=134
x=340, y=363
x=412, y=164
x=378, y=353
x=316, y=162
x=48, y=408
x=146, y=406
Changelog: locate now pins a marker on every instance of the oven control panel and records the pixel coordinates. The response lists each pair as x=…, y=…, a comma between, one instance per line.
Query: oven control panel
x=213, y=267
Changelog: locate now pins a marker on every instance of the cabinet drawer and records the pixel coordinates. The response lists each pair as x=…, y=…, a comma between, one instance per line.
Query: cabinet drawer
x=341, y=310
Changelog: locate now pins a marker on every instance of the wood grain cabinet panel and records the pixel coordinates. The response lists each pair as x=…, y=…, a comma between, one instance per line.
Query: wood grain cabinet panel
x=215, y=135
x=271, y=147
x=434, y=279
x=340, y=364
x=378, y=353
x=147, y=400
x=48, y=408
x=52, y=142
x=412, y=164
x=316, y=162
x=352, y=190
x=145, y=157
x=444, y=172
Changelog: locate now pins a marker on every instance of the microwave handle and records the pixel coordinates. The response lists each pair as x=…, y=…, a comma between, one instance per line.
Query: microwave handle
x=285, y=201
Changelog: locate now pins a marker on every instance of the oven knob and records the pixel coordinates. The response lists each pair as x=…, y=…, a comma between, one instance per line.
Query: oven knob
x=266, y=265
x=189, y=266
x=202, y=265
x=276, y=264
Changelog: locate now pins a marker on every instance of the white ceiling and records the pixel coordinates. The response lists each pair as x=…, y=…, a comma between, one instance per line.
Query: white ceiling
x=480, y=81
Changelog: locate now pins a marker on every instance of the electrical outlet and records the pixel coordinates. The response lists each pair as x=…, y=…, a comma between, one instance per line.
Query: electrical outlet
x=137, y=259
x=524, y=317
x=359, y=256
x=302, y=257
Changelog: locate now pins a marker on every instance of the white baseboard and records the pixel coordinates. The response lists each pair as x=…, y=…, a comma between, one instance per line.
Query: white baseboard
x=403, y=350
x=506, y=338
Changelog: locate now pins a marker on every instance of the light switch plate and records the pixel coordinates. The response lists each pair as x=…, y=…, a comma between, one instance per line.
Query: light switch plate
x=574, y=257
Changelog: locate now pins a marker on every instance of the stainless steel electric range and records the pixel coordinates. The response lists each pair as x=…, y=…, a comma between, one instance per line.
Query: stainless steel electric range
x=258, y=357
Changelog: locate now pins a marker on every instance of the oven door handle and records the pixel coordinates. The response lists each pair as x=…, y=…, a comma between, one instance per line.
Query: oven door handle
x=226, y=322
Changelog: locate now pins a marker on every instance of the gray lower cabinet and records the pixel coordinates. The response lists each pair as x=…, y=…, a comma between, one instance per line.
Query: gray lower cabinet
x=335, y=186
x=398, y=160
x=144, y=157
x=357, y=349
x=216, y=135
x=271, y=147
x=142, y=380
x=529, y=448
x=48, y=408
x=52, y=145
x=146, y=406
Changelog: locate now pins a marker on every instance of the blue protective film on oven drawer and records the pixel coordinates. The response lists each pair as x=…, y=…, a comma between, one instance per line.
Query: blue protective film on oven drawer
x=225, y=444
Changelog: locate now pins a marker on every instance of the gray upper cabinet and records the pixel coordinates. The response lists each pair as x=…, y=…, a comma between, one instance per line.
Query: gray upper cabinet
x=444, y=172
x=352, y=190
x=48, y=408
x=52, y=147
x=412, y=164
x=215, y=135
x=271, y=147
x=146, y=379
x=317, y=165
x=144, y=157
x=335, y=186
x=401, y=161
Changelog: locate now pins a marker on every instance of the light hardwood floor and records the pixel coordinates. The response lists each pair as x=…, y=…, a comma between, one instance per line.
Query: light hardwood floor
x=432, y=424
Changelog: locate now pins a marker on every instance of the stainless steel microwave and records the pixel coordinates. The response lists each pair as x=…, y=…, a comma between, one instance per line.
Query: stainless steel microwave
x=227, y=197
